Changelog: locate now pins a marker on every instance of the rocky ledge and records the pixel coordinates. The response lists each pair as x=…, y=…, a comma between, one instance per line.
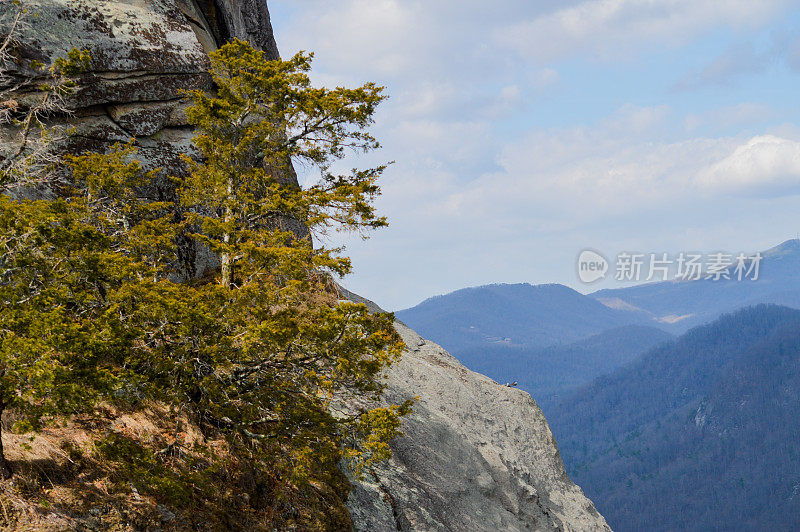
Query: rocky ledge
x=476, y=456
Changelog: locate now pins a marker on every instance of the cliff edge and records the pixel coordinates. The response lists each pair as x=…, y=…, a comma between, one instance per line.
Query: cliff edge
x=476, y=455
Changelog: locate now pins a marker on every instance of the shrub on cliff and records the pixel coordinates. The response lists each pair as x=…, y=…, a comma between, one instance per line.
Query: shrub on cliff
x=276, y=372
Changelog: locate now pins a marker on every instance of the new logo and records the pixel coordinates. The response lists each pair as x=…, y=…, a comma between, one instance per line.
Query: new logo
x=592, y=266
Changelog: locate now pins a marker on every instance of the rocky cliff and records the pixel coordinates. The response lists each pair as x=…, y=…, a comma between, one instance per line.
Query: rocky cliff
x=476, y=455
x=144, y=55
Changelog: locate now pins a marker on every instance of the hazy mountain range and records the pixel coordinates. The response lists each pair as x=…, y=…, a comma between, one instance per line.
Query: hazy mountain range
x=520, y=315
x=549, y=371
x=680, y=305
x=508, y=331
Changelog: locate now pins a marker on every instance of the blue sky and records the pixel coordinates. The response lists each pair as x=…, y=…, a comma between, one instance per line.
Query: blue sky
x=524, y=132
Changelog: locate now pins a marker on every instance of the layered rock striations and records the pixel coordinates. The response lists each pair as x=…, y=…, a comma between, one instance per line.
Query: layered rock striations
x=144, y=54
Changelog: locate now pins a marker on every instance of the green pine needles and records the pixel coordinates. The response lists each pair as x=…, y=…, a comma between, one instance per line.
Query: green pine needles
x=261, y=355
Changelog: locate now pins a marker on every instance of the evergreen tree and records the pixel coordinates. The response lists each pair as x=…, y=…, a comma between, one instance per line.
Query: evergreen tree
x=290, y=348
x=265, y=356
x=62, y=341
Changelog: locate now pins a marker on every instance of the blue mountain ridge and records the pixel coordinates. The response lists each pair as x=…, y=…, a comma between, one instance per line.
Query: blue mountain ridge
x=700, y=433
x=538, y=316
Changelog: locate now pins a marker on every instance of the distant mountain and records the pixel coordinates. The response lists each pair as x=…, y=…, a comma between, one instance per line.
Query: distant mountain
x=702, y=433
x=546, y=373
x=681, y=305
x=544, y=315
x=519, y=315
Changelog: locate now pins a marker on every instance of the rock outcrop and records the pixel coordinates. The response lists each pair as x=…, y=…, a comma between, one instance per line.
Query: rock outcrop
x=476, y=455
x=144, y=55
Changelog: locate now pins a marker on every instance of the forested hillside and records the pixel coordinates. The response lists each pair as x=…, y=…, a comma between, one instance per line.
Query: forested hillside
x=548, y=373
x=514, y=315
x=699, y=434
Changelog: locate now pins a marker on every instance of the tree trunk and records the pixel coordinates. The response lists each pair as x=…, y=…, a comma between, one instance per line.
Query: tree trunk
x=5, y=468
x=226, y=264
x=225, y=258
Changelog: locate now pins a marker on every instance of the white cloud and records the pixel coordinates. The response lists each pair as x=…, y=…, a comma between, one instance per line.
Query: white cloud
x=570, y=177
x=610, y=28
x=766, y=163
x=564, y=181
x=358, y=33
x=429, y=98
x=579, y=174
x=630, y=120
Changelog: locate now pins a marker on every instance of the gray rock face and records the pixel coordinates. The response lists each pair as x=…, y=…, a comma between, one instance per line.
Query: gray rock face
x=145, y=55
x=247, y=20
x=476, y=456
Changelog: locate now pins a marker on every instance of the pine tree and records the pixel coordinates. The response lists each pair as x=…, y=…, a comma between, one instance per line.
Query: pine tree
x=266, y=355
x=291, y=349
x=62, y=340
x=264, y=116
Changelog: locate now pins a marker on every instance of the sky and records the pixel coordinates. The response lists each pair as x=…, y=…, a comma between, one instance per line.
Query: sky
x=524, y=132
